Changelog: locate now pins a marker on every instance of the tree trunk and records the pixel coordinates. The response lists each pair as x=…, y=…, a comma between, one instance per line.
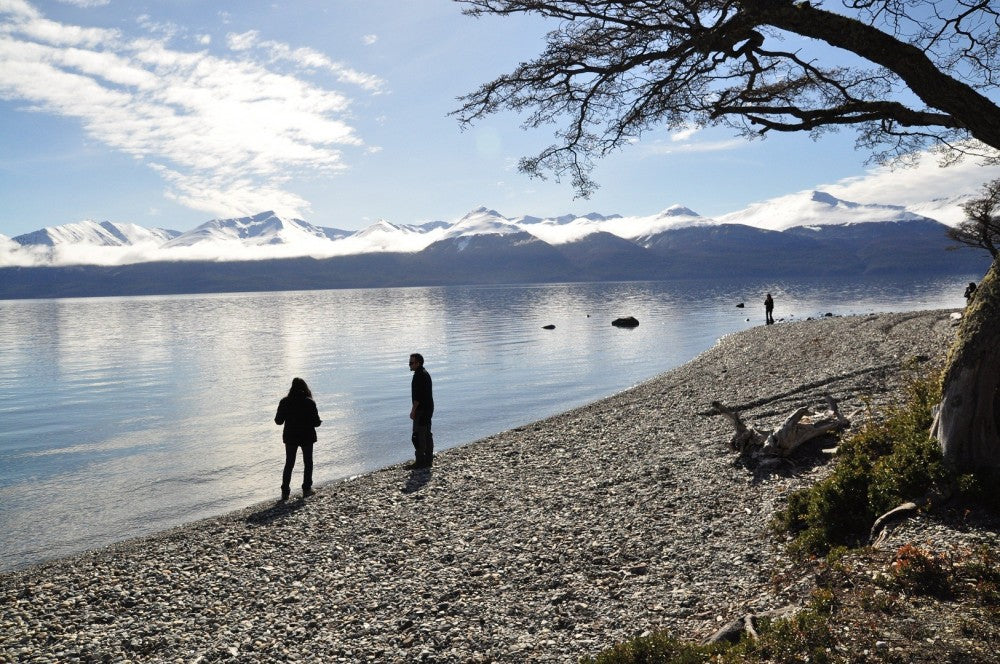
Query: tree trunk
x=967, y=423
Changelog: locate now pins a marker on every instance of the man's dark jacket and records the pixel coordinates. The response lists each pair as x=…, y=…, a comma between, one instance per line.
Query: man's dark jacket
x=420, y=391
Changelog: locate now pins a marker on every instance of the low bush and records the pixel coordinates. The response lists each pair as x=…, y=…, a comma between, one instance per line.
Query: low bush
x=886, y=463
x=919, y=571
x=803, y=637
x=974, y=574
x=657, y=648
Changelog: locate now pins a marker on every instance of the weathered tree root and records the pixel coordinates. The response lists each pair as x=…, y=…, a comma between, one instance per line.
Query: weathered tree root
x=801, y=426
x=884, y=525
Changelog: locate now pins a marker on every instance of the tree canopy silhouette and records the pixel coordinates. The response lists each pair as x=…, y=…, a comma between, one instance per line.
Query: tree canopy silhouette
x=614, y=69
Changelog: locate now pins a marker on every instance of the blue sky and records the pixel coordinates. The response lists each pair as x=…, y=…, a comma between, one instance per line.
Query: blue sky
x=168, y=113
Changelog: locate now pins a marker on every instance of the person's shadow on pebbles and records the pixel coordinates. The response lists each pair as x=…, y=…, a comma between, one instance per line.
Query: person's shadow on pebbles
x=418, y=479
x=279, y=510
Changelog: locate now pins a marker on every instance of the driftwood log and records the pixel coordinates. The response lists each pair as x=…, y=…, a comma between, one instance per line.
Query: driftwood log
x=733, y=631
x=801, y=426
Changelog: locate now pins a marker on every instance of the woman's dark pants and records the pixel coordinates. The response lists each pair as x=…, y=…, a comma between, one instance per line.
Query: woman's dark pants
x=307, y=461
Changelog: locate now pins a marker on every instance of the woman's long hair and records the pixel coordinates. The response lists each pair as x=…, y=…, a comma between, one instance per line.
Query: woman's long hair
x=299, y=389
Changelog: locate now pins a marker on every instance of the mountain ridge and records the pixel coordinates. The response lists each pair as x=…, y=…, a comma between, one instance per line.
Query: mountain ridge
x=267, y=252
x=251, y=237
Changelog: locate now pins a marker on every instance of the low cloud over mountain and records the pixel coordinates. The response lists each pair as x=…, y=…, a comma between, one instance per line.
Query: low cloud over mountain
x=809, y=233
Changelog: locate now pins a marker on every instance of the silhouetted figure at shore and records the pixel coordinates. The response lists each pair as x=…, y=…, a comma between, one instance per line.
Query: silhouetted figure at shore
x=970, y=292
x=768, y=310
x=421, y=412
x=299, y=414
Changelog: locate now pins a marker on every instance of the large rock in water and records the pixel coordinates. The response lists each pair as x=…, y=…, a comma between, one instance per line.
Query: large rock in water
x=628, y=321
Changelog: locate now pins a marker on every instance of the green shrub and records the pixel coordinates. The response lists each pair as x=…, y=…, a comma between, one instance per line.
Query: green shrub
x=882, y=465
x=657, y=648
x=803, y=637
x=834, y=511
x=914, y=466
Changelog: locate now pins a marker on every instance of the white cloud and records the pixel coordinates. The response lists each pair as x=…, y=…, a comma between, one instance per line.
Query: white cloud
x=914, y=185
x=166, y=30
x=680, y=146
x=242, y=41
x=86, y=4
x=306, y=58
x=226, y=197
x=18, y=8
x=226, y=135
x=56, y=34
x=368, y=40
x=684, y=134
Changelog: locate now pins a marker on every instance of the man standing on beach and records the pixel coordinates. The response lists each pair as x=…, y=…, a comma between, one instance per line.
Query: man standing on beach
x=768, y=309
x=421, y=412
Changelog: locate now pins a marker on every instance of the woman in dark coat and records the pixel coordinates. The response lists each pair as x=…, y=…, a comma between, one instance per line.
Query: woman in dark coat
x=298, y=413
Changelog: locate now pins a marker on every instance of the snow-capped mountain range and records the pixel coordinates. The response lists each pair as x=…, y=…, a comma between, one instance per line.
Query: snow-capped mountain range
x=809, y=234
x=815, y=208
x=103, y=234
x=267, y=235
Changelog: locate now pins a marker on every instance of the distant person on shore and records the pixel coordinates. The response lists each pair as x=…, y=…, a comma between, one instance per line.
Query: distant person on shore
x=421, y=412
x=970, y=292
x=768, y=310
x=298, y=413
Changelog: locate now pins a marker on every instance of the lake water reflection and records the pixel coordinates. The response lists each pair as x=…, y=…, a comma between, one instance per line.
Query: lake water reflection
x=124, y=416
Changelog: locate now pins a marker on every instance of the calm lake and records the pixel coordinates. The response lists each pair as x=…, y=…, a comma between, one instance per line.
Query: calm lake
x=125, y=416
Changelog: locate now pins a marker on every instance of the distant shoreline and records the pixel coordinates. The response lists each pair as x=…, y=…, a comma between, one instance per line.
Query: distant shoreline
x=410, y=270
x=557, y=538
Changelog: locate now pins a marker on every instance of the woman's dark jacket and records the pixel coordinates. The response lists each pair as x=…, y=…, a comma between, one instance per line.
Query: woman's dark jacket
x=300, y=417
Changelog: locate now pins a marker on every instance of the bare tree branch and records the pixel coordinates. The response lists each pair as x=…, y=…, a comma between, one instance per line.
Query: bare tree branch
x=612, y=70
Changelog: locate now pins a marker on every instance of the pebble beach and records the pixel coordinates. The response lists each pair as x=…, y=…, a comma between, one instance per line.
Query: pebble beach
x=544, y=543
